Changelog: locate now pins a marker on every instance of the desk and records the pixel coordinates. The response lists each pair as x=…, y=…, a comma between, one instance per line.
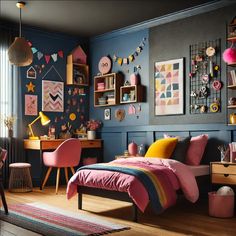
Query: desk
x=44, y=145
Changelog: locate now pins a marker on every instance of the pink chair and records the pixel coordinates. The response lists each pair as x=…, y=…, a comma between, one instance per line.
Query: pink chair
x=66, y=155
x=3, y=156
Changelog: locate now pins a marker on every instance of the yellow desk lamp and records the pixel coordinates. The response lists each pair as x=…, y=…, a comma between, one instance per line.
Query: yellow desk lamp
x=44, y=121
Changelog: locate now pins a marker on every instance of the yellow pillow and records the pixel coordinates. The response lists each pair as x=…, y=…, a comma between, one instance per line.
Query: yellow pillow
x=162, y=148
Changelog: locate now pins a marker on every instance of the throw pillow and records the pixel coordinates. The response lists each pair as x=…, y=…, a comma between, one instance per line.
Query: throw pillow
x=196, y=149
x=181, y=148
x=162, y=148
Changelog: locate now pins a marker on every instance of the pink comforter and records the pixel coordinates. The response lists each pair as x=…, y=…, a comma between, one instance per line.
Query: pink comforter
x=179, y=177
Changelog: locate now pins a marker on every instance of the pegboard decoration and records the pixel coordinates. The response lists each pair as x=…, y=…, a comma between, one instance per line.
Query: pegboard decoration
x=205, y=77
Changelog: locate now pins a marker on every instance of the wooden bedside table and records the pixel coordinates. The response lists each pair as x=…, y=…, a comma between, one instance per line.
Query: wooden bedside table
x=223, y=173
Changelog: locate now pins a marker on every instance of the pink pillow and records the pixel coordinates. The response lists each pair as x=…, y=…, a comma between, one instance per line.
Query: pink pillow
x=196, y=149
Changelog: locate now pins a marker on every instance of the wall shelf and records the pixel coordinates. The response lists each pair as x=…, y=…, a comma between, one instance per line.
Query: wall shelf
x=107, y=89
x=131, y=94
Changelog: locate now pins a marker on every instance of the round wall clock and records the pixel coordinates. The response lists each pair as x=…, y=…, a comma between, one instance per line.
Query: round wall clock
x=104, y=65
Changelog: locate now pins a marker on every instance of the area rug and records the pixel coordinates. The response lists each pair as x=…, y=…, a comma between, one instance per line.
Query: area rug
x=50, y=221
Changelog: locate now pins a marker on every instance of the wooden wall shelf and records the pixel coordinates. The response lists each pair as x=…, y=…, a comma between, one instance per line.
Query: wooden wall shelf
x=106, y=89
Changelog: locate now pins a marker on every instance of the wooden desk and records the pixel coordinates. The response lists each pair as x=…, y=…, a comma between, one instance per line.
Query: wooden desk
x=44, y=145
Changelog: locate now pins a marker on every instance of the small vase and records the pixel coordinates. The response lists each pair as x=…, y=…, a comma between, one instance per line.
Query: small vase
x=10, y=133
x=132, y=148
x=91, y=134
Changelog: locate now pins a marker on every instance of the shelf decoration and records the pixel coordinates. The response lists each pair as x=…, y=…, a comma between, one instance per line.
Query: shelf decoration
x=130, y=58
x=30, y=87
x=31, y=105
x=46, y=56
x=31, y=73
x=205, y=81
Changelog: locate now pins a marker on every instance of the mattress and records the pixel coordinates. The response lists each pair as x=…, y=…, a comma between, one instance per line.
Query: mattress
x=200, y=170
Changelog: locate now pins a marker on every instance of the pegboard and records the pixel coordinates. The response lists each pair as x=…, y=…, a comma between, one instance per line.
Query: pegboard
x=205, y=77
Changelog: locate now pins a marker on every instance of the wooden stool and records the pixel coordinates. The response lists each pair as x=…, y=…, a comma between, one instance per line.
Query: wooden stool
x=20, y=178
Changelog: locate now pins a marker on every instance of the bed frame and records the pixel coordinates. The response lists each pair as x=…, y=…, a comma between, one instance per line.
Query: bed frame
x=123, y=196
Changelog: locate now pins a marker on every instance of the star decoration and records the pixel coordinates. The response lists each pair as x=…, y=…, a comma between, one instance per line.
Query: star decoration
x=30, y=87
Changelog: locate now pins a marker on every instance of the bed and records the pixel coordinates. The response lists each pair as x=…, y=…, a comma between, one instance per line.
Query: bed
x=109, y=180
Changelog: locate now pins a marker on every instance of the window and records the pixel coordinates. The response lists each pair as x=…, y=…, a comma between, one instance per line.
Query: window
x=8, y=83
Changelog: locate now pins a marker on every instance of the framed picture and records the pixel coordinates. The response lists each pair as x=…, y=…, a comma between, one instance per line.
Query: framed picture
x=52, y=96
x=169, y=87
x=107, y=114
x=31, y=105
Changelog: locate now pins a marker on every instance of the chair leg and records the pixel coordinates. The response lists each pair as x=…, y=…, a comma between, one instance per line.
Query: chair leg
x=3, y=199
x=66, y=174
x=46, y=177
x=58, y=177
x=72, y=170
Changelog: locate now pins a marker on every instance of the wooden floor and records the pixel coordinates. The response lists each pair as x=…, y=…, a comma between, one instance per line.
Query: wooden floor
x=183, y=219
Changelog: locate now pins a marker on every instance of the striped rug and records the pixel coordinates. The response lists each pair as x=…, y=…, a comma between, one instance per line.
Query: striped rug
x=51, y=221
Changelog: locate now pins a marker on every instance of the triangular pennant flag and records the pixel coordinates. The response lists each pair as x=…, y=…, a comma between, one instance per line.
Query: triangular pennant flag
x=47, y=58
x=30, y=44
x=39, y=55
x=119, y=61
x=60, y=53
x=34, y=50
x=131, y=57
x=54, y=57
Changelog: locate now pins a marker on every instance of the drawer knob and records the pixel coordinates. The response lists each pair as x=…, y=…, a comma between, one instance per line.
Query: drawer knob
x=226, y=175
x=226, y=165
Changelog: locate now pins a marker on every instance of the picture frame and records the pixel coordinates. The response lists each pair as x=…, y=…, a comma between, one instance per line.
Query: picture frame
x=31, y=73
x=169, y=87
x=31, y=105
x=52, y=96
x=107, y=114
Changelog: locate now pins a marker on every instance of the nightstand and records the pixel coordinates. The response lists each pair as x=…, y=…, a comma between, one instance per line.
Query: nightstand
x=223, y=173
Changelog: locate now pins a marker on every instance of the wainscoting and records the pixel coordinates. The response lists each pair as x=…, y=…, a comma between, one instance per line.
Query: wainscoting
x=116, y=139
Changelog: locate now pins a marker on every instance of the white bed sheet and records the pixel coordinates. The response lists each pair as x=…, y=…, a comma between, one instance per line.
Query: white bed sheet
x=200, y=170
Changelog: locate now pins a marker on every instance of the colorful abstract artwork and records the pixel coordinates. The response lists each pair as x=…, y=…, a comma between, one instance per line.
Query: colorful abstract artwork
x=168, y=79
x=52, y=96
x=31, y=105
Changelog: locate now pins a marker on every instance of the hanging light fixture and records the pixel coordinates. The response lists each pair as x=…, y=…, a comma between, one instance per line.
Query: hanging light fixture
x=20, y=53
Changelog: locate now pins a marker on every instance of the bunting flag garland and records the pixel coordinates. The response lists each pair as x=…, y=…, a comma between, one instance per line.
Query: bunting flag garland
x=46, y=56
x=128, y=59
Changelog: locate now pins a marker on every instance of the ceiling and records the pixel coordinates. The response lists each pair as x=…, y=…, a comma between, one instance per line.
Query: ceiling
x=90, y=17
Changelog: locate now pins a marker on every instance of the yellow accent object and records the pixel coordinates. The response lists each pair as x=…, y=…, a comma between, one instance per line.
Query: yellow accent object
x=30, y=87
x=162, y=148
x=120, y=61
x=72, y=116
x=44, y=121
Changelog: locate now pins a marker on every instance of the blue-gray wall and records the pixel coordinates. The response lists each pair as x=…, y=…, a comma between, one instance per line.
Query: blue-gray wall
x=49, y=43
x=168, y=38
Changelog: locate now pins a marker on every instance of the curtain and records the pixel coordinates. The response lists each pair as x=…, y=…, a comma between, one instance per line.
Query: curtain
x=10, y=103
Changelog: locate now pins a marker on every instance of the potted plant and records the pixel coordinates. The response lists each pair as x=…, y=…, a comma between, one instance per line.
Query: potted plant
x=9, y=122
x=92, y=126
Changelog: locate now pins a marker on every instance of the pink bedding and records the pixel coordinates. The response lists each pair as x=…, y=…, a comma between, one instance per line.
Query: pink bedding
x=177, y=174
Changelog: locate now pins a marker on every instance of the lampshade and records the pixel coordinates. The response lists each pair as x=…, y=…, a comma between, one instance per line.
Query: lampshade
x=44, y=119
x=20, y=53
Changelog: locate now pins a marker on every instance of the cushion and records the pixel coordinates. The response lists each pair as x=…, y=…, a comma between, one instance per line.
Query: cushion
x=181, y=148
x=162, y=148
x=196, y=149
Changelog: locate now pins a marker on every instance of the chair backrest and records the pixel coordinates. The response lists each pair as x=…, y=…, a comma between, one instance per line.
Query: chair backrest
x=68, y=153
x=3, y=156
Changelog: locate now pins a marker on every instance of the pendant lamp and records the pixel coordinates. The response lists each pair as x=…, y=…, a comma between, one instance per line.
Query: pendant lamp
x=20, y=53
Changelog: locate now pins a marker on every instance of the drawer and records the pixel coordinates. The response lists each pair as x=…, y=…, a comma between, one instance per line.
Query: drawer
x=223, y=179
x=91, y=143
x=223, y=169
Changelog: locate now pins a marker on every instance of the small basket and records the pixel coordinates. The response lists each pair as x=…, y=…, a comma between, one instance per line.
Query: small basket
x=221, y=206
